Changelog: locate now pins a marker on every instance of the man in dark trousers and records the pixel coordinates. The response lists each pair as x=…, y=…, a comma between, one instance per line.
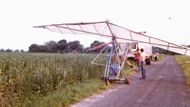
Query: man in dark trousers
x=142, y=63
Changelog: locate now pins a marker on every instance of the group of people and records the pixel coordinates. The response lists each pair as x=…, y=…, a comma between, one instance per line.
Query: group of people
x=140, y=57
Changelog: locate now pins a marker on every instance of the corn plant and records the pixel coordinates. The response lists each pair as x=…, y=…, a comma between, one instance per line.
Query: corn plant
x=25, y=75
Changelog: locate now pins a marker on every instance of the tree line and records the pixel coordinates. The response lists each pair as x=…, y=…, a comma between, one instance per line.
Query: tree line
x=62, y=46
x=10, y=50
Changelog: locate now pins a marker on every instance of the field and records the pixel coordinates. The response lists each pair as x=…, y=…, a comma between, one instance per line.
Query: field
x=24, y=77
x=185, y=63
x=32, y=79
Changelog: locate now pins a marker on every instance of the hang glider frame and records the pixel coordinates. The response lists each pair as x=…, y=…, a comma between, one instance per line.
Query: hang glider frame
x=77, y=28
x=116, y=61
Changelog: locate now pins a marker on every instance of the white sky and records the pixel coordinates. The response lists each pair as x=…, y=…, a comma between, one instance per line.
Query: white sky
x=18, y=17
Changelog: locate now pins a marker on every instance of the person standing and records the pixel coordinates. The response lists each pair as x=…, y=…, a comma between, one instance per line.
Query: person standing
x=143, y=56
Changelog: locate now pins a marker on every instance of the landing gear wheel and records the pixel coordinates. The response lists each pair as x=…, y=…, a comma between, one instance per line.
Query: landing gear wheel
x=107, y=82
x=127, y=81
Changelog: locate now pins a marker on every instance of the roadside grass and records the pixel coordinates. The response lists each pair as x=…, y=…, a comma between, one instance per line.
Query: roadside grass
x=184, y=61
x=130, y=69
x=69, y=95
x=161, y=57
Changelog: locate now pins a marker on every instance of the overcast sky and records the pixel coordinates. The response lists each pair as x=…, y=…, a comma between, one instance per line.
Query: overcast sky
x=165, y=19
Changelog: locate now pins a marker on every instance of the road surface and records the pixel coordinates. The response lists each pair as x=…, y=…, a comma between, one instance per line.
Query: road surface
x=164, y=87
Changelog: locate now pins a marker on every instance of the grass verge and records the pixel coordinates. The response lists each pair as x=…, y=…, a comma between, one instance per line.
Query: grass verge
x=184, y=61
x=161, y=57
x=68, y=95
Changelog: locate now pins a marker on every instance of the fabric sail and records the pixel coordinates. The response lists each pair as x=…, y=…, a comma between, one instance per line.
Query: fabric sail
x=121, y=34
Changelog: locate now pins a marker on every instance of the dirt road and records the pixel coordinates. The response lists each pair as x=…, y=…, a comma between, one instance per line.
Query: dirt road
x=164, y=87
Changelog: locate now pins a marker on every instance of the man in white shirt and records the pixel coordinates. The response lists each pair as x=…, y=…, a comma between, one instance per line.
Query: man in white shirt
x=142, y=63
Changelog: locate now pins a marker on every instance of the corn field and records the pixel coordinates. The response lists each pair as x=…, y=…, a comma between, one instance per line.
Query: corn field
x=25, y=75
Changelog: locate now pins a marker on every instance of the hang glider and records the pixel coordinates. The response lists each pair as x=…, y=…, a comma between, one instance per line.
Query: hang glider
x=122, y=41
x=121, y=34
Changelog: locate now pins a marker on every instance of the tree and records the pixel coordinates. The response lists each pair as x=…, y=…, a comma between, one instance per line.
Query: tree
x=34, y=48
x=98, y=43
x=8, y=50
x=44, y=48
x=21, y=50
x=16, y=50
x=52, y=45
x=62, y=45
x=2, y=50
x=39, y=48
x=75, y=46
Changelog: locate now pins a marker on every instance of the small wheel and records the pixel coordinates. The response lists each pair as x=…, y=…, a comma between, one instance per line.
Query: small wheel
x=127, y=81
x=107, y=82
